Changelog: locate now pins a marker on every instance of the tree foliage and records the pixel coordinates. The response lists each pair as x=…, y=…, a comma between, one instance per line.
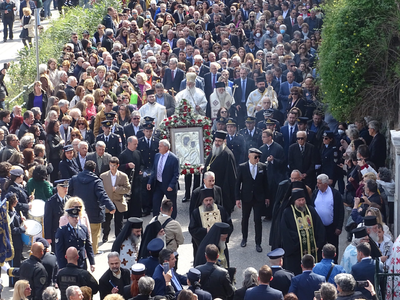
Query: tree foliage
x=359, y=58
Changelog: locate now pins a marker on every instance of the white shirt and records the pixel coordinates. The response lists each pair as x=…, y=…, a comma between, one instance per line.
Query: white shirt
x=82, y=160
x=161, y=164
x=324, y=206
x=135, y=128
x=113, y=179
x=253, y=167
x=251, y=132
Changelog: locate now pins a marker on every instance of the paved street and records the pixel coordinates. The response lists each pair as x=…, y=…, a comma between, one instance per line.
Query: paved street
x=241, y=258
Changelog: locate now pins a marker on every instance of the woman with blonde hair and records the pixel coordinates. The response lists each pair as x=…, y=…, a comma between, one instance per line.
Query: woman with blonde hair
x=28, y=25
x=91, y=109
x=22, y=290
x=101, y=75
x=75, y=134
x=99, y=97
x=76, y=202
x=249, y=60
x=89, y=86
x=141, y=79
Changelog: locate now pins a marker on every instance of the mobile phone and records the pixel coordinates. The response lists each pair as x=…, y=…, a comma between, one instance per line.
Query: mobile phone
x=113, y=285
x=166, y=267
x=317, y=295
x=362, y=284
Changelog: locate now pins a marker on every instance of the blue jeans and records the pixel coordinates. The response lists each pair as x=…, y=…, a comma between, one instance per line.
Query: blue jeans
x=46, y=7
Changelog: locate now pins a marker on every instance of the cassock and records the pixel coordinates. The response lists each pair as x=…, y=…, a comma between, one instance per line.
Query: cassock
x=124, y=245
x=155, y=110
x=195, y=97
x=224, y=168
x=196, y=201
x=255, y=97
x=302, y=233
x=218, y=100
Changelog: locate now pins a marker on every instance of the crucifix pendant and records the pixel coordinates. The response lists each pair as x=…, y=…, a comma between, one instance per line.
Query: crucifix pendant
x=208, y=168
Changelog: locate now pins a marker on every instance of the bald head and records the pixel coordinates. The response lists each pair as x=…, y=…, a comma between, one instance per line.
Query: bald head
x=72, y=255
x=37, y=249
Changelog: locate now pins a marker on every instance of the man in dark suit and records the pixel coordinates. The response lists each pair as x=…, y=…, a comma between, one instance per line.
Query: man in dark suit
x=215, y=279
x=100, y=157
x=290, y=21
x=165, y=99
x=115, y=127
x=305, y=284
x=302, y=157
x=251, y=134
x=263, y=291
x=364, y=269
x=112, y=141
x=284, y=91
x=108, y=19
x=131, y=163
x=173, y=76
x=28, y=121
x=203, y=69
x=83, y=148
x=115, y=278
x=164, y=177
x=134, y=127
x=289, y=131
x=210, y=81
x=326, y=200
x=167, y=256
x=244, y=86
x=148, y=147
x=252, y=193
x=377, y=147
x=235, y=141
x=281, y=277
x=269, y=76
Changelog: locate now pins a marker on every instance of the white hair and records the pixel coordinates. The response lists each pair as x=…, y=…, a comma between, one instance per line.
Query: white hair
x=100, y=144
x=324, y=178
x=82, y=143
x=42, y=68
x=165, y=142
x=71, y=79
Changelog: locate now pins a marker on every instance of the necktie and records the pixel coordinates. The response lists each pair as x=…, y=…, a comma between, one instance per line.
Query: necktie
x=302, y=149
x=291, y=133
x=100, y=162
x=213, y=83
x=172, y=75
x=292, y=21
x=243, y=90
x=106, y=139
x=253, y=171
x=290, y=86
x=148, y=143
x=160, y=167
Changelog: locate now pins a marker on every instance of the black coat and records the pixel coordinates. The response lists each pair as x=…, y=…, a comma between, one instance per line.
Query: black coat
x=129, y=131
x=201, y=294
x=252, y=141
x=113, y=145
x=276, y=171
x=281, y=279
x=148, y=154
x=305, y=162
x=22, y=130
x=16, y=230
x=53, y=211
x=238, y=147
x=29, y=104
x=90, y=139
x=195, y=201
x=250, y=86
x=33, y=271
x=49, y=261
x=377, y=150
x=22, y=197
x=105, y=286
x=68, y=168
x=89, y=187
x=249, y=189
x=54, y=146
x=118, y=130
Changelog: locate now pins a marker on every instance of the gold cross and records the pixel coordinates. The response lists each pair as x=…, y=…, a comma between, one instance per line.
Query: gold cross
x=172, y=92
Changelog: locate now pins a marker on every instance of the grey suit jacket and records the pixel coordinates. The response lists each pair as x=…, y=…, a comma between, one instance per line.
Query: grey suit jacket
x=169, y=104
x=106, y=160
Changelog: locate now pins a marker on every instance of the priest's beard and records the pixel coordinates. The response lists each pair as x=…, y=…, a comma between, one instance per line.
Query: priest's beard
x=208, y=207
x=374, y=236
x=221, y=96
x=301, y=208
x=192, y=89
x=221, y=246
x=135, y=239
x=217, y=150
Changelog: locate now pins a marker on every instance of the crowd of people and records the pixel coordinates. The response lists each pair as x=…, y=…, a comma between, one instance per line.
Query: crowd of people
x=88, y=146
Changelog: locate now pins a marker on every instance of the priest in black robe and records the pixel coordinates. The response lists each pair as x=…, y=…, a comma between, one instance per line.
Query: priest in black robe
x=222, y=162
x=302, y=231
x=205, y=216
x=153, y=230
x=131, y=162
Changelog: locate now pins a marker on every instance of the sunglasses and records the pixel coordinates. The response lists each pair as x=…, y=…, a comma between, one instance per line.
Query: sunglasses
x=300, y=138
x=256, y=157
x=102, y=96
x=294, y=93
x=125, y=86
x=292, y=66
x=73, y=135
x=258, y=63
x=359, y=159
x=326, y=138
x=135, y=118
x=81, y=124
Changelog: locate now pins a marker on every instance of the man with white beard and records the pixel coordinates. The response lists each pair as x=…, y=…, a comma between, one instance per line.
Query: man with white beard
x=195, y=96
x=153, y=109
x=222, y=162
x=220, y=98
x=128, y=241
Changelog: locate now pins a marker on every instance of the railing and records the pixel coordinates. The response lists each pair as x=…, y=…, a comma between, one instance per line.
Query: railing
x=24, y=94
x=381, y=280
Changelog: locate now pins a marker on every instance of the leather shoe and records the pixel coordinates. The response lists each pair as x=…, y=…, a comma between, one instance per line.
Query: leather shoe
x=185, y=199
x=258, y=248
x=105, y=240
x=243, y=243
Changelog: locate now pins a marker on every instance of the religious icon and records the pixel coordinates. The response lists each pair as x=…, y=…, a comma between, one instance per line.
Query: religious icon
x=187, y=144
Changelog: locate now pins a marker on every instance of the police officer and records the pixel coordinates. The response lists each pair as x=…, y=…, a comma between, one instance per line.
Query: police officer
x=54, y=209
x=148, y=147
x=113, y=141
x=235, y=142
x=282, y=277
x=115, y=128
x=151, y=262
x=329, y=157
x=71, y=274
x=251, y=134
x=49, y=261
x=74, y=235
x=276, y=135
x=220, y=124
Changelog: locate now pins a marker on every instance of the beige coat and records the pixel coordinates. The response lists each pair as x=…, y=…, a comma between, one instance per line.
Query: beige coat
x=122, y=187
x=173, y=233
x=31, y=27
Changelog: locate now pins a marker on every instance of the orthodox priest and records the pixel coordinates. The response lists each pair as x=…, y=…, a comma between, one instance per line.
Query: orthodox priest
x=153, y=230
x=254, y=101
x=222, y=162
x=153, y=109
x=127, y=243
x=220, y=99
x=205, y=216
x=195, y=96
x=302, y=231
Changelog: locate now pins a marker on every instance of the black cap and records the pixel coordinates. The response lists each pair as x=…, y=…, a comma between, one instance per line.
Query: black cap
x=260, y=79
x=328, y=134
x=205, y=193
x=149, y=126
x=106, y=123
x=150, y=92
x=231, y=121
x=221, y=120
x=73, y=212
x=148, y=119
x=276, y=253
x=85, y=32
x=267, y=113
x=62, y=182
x=17, y=171
x=251, y=40
x=220, y=134
x=360, y=232
x=370, y=221
x=136, y=222
x=45, y=243
x=68, y=148
x=220, y=84
x=225, y=228
x=297, y=194
x=270, y=122
x=255, y=150
x=250, y=119
x=155, y=245
x=110, y=115
x=194, y=275
x=302, y=120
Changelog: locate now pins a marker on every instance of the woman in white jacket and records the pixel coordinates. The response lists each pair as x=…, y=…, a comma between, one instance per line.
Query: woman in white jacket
x=28, y=25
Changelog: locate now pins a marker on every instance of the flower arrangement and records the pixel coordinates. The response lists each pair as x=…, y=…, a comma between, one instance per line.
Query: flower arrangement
x=185, y=117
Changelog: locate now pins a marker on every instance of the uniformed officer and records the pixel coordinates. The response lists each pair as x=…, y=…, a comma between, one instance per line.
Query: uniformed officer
x=71, y=274
x=148, y=147
x=54, y=209
x=115, y=128
x=113, y=141
x=74, y=235
x=251, y=134
x=220, y=124
x=268, y=114
x=276, y=135
x=282, y=277
x=154, y=247
x=329, y=157
x=235, y=142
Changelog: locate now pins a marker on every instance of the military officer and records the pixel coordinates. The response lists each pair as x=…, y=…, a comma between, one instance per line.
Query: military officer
x=235, y=142
x=148, y=147
x=74, y=235
x=54, y=209
x=282, y=277
x=115, y=128
x=251, y=134
x=220, y=124
x=329, y=157
x=113, y=141
x=276, y=135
